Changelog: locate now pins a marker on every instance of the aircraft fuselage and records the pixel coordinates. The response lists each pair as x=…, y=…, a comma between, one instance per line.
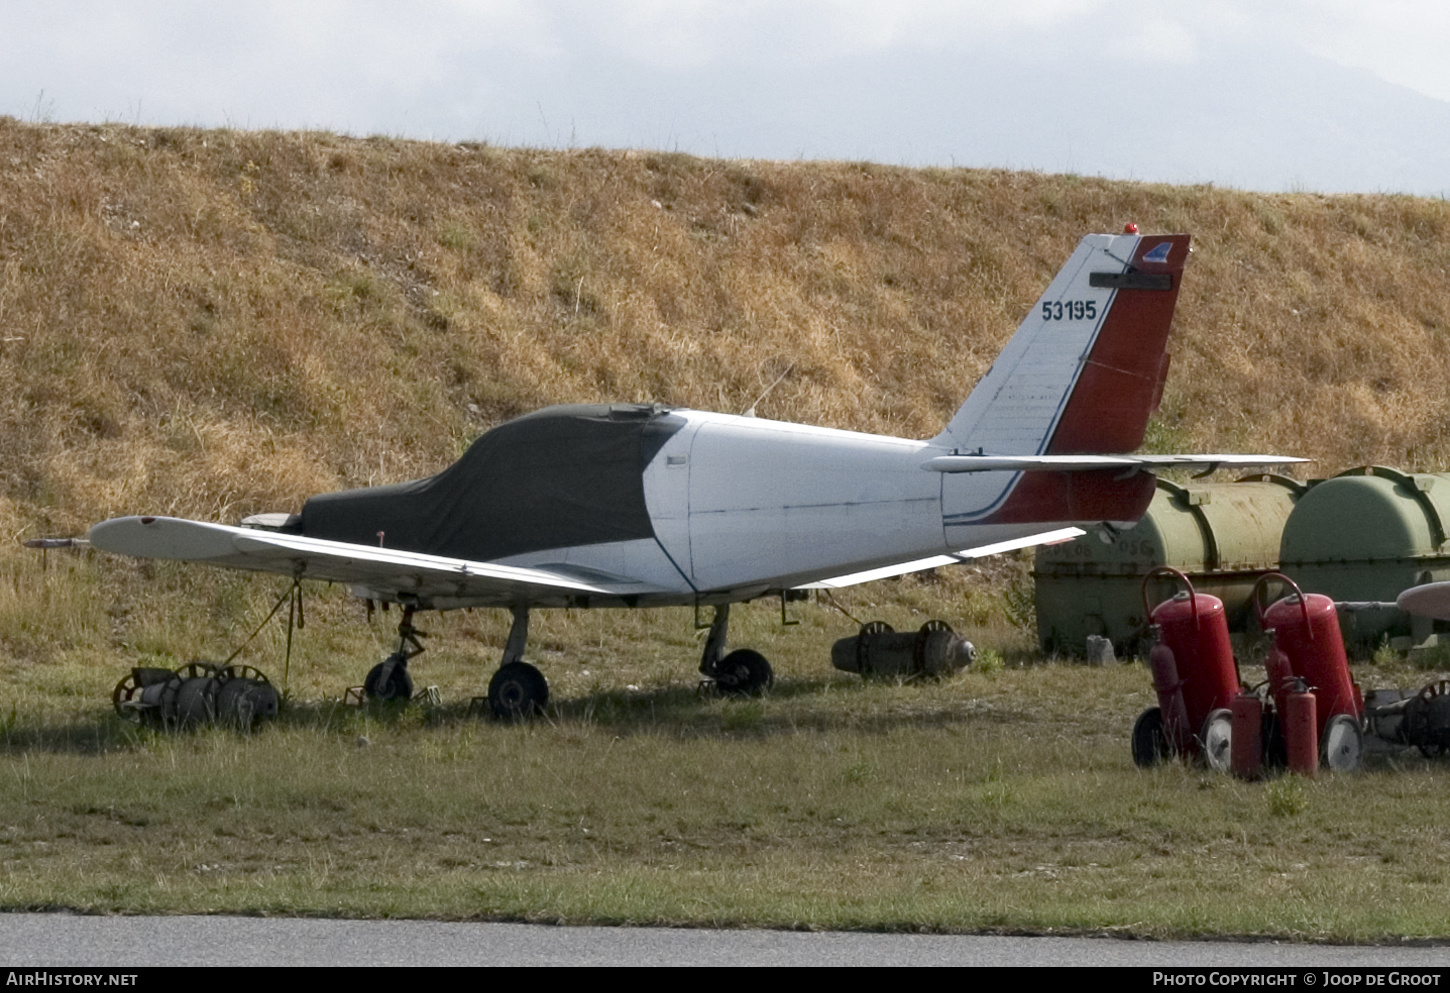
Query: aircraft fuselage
x=741, y=503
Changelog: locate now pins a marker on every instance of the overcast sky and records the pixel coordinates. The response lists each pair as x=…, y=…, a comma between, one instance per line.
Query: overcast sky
x=1333, y=95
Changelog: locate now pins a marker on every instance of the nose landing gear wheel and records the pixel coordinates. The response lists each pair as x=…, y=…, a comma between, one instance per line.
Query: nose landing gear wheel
x=389, y=679
x=743, y=672
x=517, y=690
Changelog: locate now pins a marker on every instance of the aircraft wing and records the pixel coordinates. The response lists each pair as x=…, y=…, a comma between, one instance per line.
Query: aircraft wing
x=381, y=569
x=1066, y=463
x=952, y=558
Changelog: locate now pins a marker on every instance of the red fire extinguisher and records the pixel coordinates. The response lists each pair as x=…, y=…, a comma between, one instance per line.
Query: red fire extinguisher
x=1307, y=635
x=1195, y=675
x=1247, y=752
x=1301, y=729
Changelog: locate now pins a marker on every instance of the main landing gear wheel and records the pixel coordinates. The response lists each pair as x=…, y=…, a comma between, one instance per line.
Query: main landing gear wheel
x=517, y=690
x=389, y=679
x=1150, y=746
x=743, y=672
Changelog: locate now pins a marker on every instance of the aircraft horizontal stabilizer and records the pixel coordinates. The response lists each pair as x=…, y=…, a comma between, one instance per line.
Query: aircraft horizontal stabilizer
x=1070, y=463
x=953, y=558
x=383, y=569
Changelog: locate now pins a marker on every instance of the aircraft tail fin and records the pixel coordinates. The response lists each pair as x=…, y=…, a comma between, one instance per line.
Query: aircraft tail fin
x=1085, y=370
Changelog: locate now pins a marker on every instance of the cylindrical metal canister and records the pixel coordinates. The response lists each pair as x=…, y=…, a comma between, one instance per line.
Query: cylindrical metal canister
x=1221, y=535
x=1247, y=756
x=194, y=703
x=1281, y=675
x=1306, y=628
x=241, y=702
x=877, y=650
x=1195, y=627
x=1176, y=729
x=1301, y=731
x=197, y=693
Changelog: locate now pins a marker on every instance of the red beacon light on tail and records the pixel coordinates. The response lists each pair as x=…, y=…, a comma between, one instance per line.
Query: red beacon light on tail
x=1130, y=228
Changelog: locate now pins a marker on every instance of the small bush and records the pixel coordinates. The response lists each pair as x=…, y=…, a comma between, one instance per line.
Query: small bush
x=1019, y=603
x=1286, y=798
x=1384, y=654
x=997, y=792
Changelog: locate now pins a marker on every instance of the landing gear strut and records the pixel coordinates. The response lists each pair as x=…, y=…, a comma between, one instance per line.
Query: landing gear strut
x=743, y=672
x=517, y=690
x=389, y=679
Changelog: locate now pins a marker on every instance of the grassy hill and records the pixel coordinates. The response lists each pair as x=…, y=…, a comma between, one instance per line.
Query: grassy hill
x=214, y=323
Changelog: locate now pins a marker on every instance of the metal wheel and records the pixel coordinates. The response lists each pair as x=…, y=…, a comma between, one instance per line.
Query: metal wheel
x=516, y=691
x=1217, y=739
x=187, y=698
x=868, y=631
x=244, y=697
x=1431, y=690
x=131, y=699
x=1342, y=744
x=744, y=672
x=198, y=670
x=240, y=671
x=923, y=638
x=1384, y=712
x=1427, y=719
x=389, y=679
x=1150, y=747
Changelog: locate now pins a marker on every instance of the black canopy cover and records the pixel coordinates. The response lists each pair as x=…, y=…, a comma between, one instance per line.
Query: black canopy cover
x=567, y=475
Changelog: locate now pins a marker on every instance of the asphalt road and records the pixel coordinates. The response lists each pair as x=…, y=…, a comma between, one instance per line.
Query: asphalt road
x=73, y=940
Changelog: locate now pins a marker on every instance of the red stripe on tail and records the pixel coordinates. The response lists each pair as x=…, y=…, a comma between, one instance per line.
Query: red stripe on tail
x=1117, y=391
x=1120, y=383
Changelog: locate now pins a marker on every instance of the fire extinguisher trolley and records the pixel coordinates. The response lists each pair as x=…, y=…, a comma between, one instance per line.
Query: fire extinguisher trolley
x=1195, y=675
x=1308, y=654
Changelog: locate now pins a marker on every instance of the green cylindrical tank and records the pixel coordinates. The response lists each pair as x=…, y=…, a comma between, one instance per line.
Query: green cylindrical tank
x=1223, y=536
x=1367, y=535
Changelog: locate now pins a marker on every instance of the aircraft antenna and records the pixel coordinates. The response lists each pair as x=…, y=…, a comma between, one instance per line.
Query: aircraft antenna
x=750, y=411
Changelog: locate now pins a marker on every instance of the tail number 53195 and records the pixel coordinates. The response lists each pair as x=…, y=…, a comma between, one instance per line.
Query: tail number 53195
x=1069, y=310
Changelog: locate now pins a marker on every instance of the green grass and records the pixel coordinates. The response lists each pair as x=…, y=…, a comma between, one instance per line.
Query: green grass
x=977, y=805
x=989, y=801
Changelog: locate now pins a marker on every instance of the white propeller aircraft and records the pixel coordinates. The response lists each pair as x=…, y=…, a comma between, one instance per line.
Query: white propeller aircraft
x=629, y=505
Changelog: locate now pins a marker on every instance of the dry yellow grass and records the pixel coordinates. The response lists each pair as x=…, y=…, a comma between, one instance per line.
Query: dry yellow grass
x=213, y=323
